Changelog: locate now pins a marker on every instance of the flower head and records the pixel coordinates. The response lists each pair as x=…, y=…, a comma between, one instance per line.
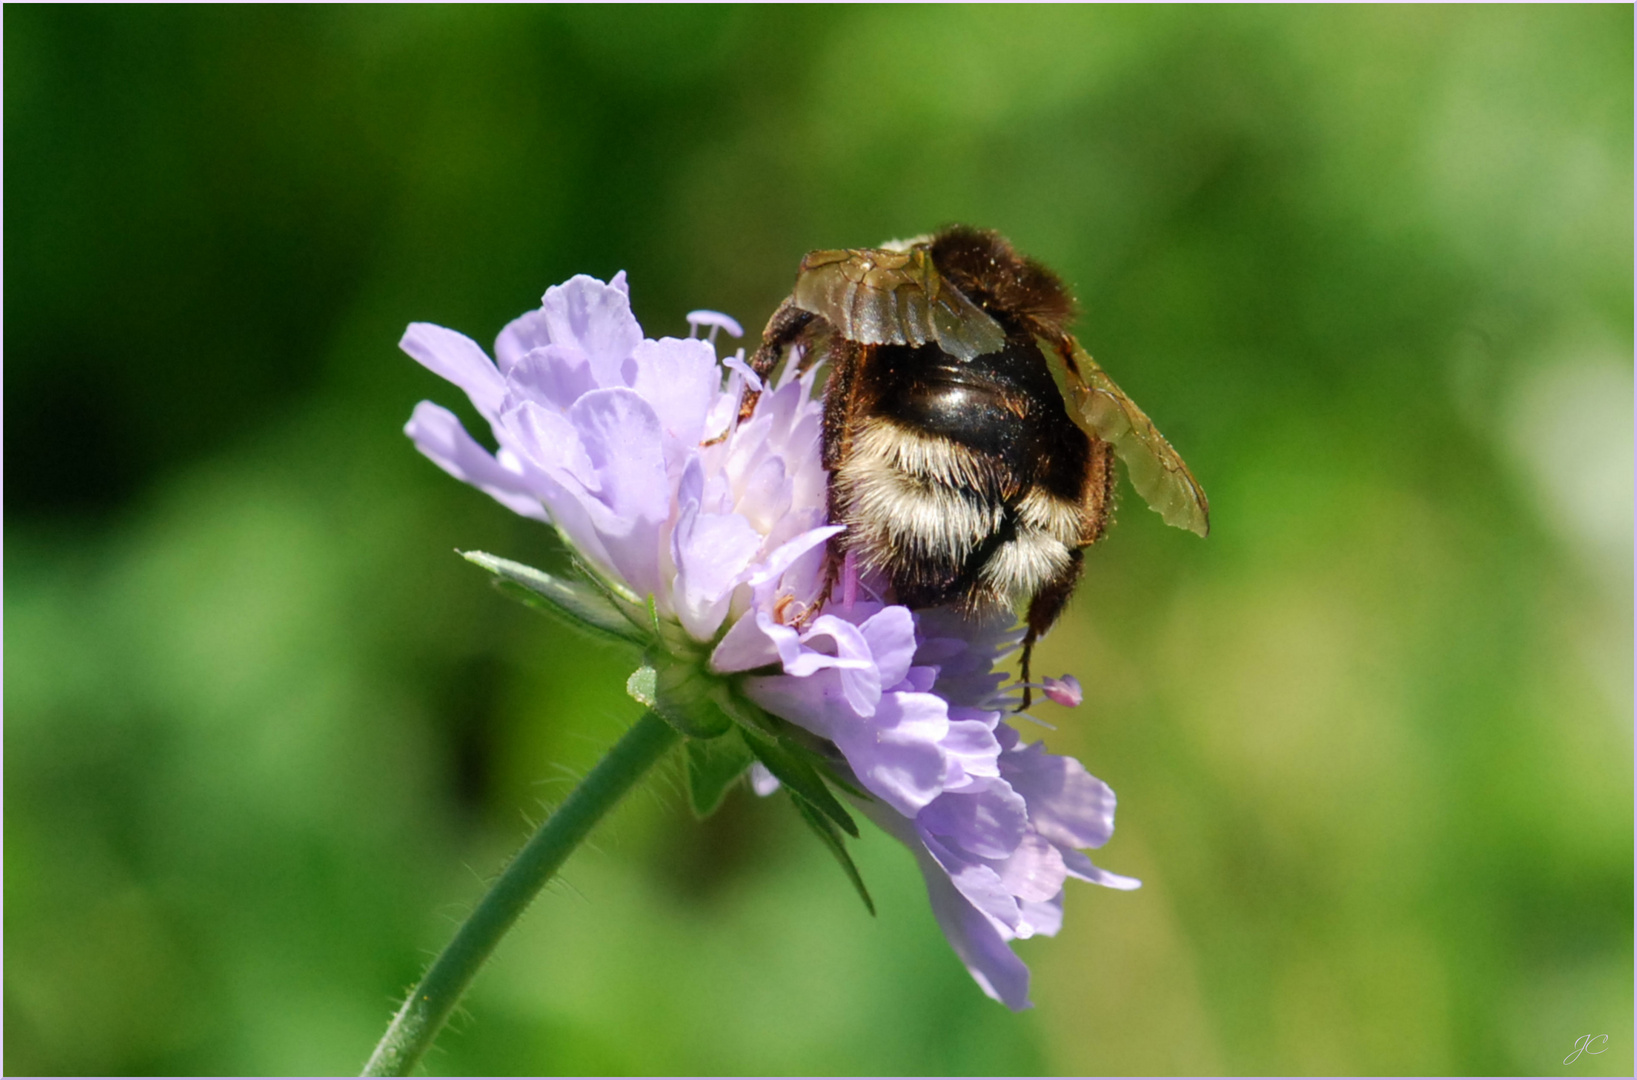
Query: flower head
x=707, y=535
x=603, y=433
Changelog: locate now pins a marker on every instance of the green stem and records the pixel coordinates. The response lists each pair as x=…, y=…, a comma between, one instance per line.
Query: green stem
x=423, y=1014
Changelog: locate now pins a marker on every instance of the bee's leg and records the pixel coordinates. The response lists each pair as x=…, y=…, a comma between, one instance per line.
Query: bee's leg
x=835, y=556
x=783, y=329
x=1044, y=609
x=1096, y=492
x=837, y=442
x=838, y=406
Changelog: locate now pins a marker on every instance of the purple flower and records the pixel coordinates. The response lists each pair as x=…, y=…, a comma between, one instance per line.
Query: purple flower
x=632, y=448
x=600, y=431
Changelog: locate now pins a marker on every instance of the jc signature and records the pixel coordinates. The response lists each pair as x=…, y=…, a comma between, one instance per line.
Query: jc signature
x=1584, y=1044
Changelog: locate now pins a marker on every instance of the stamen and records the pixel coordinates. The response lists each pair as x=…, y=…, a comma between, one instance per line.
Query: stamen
x=788, y=611
x=716, y=321
x=736, y=362
x=1031, y=718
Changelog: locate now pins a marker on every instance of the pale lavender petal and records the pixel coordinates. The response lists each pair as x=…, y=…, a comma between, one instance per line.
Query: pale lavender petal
x=891, y=635
x=744, y=647
x=978, y=882
x=852, y=654
x=765, y=493
x=972, y=750
x=786, y=640
x=896, y=755
x=543, y=447
x=861, y=678
x=793, y=549
x=546, y=439
x=521, y=336
x=1067, y=805
x=800, y=700
x=690, y=489
x=988, y=821
x=459, y=359
x=680, y=379
x=607, y=457
x=631, y=498
x=805, y=577
x=596, y=317
x=532, y=331
x=711, y=552
x=1078, y=865
x=974, y=879
x=814, y=700
x=1042, y=917
x=439, y=435
x=724, y=411
x=1034, y=871
x=978, y=943
x=556, y=375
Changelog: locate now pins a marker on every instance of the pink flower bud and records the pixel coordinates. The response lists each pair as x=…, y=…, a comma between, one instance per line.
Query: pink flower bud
x=1064, y=691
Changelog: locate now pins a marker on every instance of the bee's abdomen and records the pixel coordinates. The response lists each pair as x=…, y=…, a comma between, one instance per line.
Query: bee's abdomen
x=915, y=499
x=978, y=417
x=961, y=481
x=983, y=405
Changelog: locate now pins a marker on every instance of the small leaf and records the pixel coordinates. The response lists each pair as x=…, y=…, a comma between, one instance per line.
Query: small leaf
x=581, y=605
x=827, y=833
x=713, y=767
x=796, y=773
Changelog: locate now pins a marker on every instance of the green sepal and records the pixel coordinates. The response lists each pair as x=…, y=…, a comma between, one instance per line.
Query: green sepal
x=795, y=772
x=617, y=594
x=668, y=632
x=826, y=832
x=745, y=712
x=683, y=695
x=714, y=765
x=580, y=605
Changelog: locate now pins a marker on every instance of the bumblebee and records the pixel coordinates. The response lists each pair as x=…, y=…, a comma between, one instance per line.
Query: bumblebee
x=969, y=438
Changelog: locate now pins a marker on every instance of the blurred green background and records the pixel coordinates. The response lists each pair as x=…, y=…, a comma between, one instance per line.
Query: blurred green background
x=265, y=735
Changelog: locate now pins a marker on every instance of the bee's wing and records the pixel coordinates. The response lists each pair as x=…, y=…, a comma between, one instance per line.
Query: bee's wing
x=1156, y=470
x=884, y=297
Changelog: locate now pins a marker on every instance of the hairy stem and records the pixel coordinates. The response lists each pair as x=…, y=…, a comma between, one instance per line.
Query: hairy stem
x=422, y=1015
